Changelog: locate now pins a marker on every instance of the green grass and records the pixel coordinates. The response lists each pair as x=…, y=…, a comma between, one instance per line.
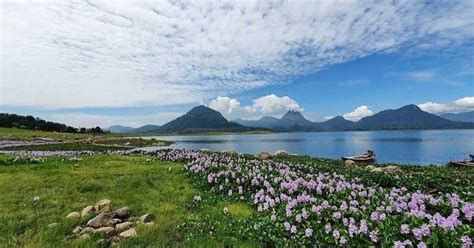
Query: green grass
x=9, y=133
x=67, y=147
x=155, y=187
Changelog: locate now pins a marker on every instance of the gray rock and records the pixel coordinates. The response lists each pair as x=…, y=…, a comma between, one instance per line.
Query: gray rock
x=114, y=222
x=103, y=203
x=393, y=169
x=350, y=163
x=77, y=230
x=87, y=210
x=147, y=218
x=105, y=230
x=100, y=220
x=73, y=215
x=370, y=167
x=264, y=155
x=85, y=230
x=378, y=169
x=123, y=226
x=128, y=233
x=123, y=213
x=85, y=236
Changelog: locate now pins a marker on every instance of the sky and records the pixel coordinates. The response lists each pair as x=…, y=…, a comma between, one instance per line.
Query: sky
x=89, y=63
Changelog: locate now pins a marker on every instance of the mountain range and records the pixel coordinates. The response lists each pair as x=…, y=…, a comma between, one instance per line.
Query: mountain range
x=202, y=119
x=465, y=117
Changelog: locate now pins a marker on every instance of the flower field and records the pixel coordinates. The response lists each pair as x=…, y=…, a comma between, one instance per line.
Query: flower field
x=300, y=204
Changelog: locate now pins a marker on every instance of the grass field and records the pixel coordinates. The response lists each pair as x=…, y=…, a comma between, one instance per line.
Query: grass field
x=154, y=187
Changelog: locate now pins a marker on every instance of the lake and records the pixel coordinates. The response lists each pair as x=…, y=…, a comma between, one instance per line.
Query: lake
x=406, y=147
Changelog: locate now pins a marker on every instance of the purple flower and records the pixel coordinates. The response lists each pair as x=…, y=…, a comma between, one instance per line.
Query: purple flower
x=373, y=236
x=466, y=242
x=308, y=232
x=405, y=229
x=336, y=234
x=421, y=245
x=287, y=226
x=327, y=228
x=293, y=229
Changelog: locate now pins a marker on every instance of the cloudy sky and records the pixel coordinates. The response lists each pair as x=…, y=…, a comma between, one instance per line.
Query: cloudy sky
x=89, y=63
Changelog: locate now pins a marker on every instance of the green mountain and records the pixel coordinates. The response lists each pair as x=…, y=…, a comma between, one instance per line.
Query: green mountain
x=199, y=119
x=120, y=129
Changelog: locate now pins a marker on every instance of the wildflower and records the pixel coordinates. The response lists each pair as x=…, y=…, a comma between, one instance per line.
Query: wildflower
x=466, y=242
x=336, y=234
x=373, y=236
x=327, y=228
x=197, y=198
x=226, y=210
x=404, y=229
x=308, y=232
x=421, y=245
x=287, y=225
x=293, y=229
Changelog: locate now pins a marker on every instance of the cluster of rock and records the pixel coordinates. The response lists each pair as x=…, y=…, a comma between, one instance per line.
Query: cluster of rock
x=115, y=225
x=371, y=168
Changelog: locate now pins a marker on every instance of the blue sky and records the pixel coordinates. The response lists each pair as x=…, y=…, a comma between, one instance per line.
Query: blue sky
x=135, y=63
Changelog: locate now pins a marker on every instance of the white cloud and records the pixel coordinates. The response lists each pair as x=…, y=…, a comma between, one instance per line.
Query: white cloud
x=269, y=105
x=72, y=54
x=420, y=75
x=358, y=113
x=461, y=105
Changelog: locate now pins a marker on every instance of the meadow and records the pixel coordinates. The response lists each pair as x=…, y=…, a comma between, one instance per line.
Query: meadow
x=226, y=199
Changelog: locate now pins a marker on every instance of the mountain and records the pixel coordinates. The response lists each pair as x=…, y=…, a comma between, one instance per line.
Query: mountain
x=407, y=117
x=146, y=129
x=201, y=118
x=120, y=129
x=264, y=122
x=335, y=124
x=464, y=117
x=290, y=121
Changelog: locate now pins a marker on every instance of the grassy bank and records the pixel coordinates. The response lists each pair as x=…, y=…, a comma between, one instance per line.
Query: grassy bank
x=145, y=187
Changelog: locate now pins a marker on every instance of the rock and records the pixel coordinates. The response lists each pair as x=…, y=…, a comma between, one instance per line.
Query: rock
x=103, y=203
x=279, y=152
x=85, y=236
x=114, y=222
x=86, y=230
x=100, y=220
x=378, y=169
x=393, y=169
x=123, y=226
x=264, y=155
x=123, y=213
x=147, y=218
x=105, y=230
x=128, y=233
x=370, y=167
x=53, y=225
x=350, y=163
x=77, y=230
x=73, y=215
x=87, y=210
x=105, y=209
x=36, y=198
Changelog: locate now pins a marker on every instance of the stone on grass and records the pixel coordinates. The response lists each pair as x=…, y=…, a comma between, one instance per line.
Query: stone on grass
x=123, y=226
x=147, y=218
x=77, y=230
x=393, y=169
x=350, y=163
x=370, y=167
x=264, y=155
x=85, y=236
x=123, y=213
x=128, y=233
x=87, y=210
x=86, y=230
x=53, y=225
x=105, y=230
x=100, y=220
x=36, y=198
x=103, y=203
x=73, y=215
x=114, y=222
x=378, y=169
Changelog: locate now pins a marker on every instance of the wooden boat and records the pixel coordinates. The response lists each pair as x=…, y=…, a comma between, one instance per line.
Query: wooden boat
x=366, y=157
x=461, y=164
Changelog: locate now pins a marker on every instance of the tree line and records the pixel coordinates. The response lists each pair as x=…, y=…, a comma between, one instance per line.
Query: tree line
x=32, y=123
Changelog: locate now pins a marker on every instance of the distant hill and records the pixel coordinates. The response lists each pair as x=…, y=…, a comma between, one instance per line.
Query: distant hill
x=465, y=117
x=32, y=123
x=199, y=119
x=120, y=129
x=146, y=129
x=407, y=117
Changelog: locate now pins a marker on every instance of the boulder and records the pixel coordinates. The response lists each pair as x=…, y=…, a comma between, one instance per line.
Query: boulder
x=264, y=155
x=147, y=218
x=350, y=163
x=87, y=210
x=279, y=152
x=370, y=167
x=105, y=230
x=103, y=203
x=100, y=220
x=378, y=169
x=86, y=230
x=123, y=213
x=393, y=169
x=123, y=226
x=77, y=230
x=128, y=233
x=114, y=222
x=85, y=236
x=73, y=215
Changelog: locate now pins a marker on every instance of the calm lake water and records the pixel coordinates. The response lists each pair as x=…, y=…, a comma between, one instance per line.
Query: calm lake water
x=407, y=147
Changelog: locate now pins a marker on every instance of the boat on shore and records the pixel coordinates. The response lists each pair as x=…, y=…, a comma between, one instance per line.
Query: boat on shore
x=462, y=163
x=369, y=156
